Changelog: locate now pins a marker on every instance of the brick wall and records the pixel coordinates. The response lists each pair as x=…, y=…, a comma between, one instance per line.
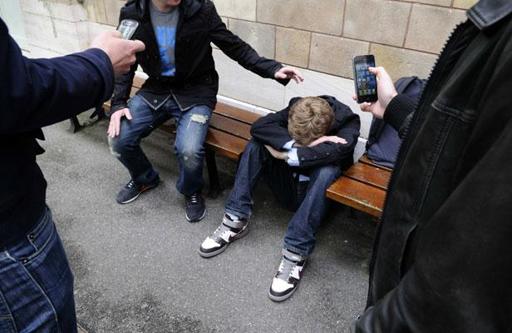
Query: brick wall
x=319, y=36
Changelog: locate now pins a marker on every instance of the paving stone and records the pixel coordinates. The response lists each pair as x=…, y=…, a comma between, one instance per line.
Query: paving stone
x=52, y=34
x=430, y=26
x=399, y=62
x=378, y=21
x=112, y=9
x=446, y=3
x=465, y=4
x=321, y=16
x=334, y=55
x=260, y=36
x=292, y=46
x=241, y=9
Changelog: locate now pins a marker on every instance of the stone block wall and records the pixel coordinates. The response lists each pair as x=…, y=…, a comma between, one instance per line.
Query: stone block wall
x=320, y=37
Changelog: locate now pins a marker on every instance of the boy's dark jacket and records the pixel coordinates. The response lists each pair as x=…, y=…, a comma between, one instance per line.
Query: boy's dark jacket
x=273, y=130
x=442, y=260
x=196, y=81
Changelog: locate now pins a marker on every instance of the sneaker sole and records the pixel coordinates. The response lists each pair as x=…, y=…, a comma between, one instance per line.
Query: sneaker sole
x=281, y=298
x=222, y=249
x=195, y=220
x=138, y=195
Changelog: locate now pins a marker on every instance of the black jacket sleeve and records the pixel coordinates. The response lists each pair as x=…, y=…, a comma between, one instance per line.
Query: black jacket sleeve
x=39, y=92
x=122, y=88
x=123, y=84
x=399, y=113
x=272, y=129
x=240, y=51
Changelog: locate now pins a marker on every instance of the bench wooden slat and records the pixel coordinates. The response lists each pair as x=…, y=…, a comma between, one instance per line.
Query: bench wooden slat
x=230, y=126
x=361, y=196
x=371, y=175
x=232, y=112
x=225, y=144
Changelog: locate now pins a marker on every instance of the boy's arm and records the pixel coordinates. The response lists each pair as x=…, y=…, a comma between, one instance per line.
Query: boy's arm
x=240, y=51
x=272, y=129
x=330, y=152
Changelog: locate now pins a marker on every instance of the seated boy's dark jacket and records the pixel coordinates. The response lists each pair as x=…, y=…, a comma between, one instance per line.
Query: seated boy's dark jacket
x=196, y=81
x=273, y=130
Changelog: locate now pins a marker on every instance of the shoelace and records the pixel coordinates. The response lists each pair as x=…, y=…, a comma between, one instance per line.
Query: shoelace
x=286, y=268
x=221, y=232
x=194, y=199
x=131, y=184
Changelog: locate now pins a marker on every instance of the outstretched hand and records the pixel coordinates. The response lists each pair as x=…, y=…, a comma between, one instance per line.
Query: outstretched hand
x=114, y=127
x=288, y=72
x=385, y=90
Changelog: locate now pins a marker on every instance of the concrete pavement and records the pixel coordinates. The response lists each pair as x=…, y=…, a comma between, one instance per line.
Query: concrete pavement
x=137, y=268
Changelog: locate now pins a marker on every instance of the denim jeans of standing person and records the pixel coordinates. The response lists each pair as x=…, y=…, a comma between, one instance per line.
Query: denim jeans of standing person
x=36, y=283
x=191, y=130
x=306, y=198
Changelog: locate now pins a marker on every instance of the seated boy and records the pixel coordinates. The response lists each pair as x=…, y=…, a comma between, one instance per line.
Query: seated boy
x=299, y=151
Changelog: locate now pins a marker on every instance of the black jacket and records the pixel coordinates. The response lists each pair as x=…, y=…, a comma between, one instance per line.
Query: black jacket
x=273, y=130
x=36, y=93
x=442, y=260
x=196, y=81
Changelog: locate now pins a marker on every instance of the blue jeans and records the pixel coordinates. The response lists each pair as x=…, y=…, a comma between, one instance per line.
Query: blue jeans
x=36, y=283
x=306, y=199
x=192, y=127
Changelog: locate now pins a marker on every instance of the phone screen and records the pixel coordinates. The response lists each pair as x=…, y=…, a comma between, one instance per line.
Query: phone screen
x=365, y=82
x=127, y=28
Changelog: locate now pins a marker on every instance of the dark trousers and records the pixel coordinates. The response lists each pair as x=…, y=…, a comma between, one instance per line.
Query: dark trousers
x=306, y=199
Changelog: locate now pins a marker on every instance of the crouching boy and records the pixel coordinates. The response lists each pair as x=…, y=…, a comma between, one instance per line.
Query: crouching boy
x=299, y=151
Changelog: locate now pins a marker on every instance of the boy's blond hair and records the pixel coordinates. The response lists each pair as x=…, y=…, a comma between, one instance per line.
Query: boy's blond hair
x=309, y=119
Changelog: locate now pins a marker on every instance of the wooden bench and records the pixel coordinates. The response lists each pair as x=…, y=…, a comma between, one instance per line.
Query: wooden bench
x=363, y=186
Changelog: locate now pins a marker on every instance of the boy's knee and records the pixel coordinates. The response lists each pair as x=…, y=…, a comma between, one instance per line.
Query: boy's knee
x=327, y=174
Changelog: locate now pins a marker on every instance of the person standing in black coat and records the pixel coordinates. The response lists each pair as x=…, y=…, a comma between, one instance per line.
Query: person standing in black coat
x=182, y=84
x=36, y=283
x=300, y=151
x=442, y=259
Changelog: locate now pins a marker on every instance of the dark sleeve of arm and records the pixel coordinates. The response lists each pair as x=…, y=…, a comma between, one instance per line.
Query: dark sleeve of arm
x=272, y=129
x=330, y=152
x=399, y=113
x=240, y=51
x=36, y=93
x=122, y=89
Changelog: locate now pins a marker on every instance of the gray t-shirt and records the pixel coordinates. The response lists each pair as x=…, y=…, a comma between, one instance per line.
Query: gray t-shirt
x=164, y=25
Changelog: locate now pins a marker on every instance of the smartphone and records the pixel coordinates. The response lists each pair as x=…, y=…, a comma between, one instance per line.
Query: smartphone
x=365, y=82
x=127, y=28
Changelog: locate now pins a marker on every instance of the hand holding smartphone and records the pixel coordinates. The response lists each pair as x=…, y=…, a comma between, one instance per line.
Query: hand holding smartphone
x=365, y=81
x=127, y=28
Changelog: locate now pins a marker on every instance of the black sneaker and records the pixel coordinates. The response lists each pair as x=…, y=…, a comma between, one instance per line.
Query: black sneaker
x=195, y=209
x=132, y=190
x=228, y=231
x=288, y=276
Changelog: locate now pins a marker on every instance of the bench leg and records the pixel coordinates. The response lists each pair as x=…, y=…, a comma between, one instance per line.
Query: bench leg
x=213, y=174
x=75, y=125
